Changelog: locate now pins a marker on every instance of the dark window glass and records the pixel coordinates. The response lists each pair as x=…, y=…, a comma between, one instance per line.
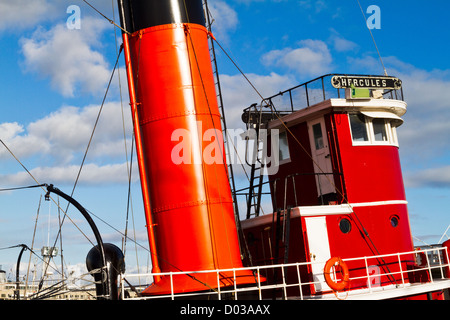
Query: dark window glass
x=359, y=128
x=318, y=137
x=345, y=225
x=379, y=130
x=394, y=221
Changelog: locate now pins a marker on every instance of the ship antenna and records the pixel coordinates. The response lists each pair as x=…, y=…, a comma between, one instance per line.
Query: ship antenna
x=373, y=39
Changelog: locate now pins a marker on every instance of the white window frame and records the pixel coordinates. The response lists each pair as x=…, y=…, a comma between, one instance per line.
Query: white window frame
x=391, y=133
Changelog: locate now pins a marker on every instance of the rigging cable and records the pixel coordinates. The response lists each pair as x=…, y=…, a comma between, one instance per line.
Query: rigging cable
x=32, y=244
x=110, y=21
x=128, y=161
x=205, y=182
x=79, y=172
x=363, y=232
x=87, y=149
x=373, y=38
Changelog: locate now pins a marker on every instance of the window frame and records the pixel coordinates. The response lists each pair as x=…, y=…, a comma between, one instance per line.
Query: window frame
x=390, y=130
x=285, y=137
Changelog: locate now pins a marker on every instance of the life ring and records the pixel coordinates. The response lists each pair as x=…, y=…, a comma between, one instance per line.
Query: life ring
x=343, y=270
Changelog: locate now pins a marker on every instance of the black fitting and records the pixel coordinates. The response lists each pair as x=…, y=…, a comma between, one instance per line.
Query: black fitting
x=115, y=265
x=83, y=211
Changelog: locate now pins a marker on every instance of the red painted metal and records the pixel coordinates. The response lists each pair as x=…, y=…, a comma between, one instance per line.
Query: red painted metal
x=191, y=206
x=372, y=173
x=140, y=156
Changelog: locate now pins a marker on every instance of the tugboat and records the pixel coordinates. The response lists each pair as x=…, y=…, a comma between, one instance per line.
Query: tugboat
x=339, y=226
x=325, y=212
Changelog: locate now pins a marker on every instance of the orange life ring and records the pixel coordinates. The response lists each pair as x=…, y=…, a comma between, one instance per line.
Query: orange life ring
x=343, y=270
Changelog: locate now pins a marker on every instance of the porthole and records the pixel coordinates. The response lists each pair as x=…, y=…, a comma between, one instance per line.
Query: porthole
x=345, y=225
x=394, y=221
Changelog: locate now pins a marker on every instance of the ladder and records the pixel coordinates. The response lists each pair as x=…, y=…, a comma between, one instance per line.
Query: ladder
x=253, y=119
x=222, y=111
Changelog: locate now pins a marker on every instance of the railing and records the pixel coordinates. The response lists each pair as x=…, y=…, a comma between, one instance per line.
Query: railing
x=293, y=283
x=315, y=91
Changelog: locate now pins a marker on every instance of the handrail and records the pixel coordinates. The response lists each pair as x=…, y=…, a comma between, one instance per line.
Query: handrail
x=259, y=288
x=315, y=91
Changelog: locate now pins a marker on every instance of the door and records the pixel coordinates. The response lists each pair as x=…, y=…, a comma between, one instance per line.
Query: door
x=319, y=250
x=320, y=153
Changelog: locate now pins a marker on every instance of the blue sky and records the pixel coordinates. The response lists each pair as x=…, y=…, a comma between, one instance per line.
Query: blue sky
x=53, y=81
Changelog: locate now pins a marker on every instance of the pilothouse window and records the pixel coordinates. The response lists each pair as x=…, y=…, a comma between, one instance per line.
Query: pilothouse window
x=373, y=130
x=379, y=129
x=359, y=128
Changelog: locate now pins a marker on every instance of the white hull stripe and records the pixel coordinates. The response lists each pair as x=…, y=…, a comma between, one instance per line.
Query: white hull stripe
x=378, y=203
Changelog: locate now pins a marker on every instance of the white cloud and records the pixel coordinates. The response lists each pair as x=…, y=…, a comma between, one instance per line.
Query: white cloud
x=92, y=174
x=238, y=93
x=20, y=14
x=433, y=177
x=424, y=137
x=10, y=130
x=428, y=114
x=68, y=57
x=65, y=133
x=312, y=58
x=317, y=5
x=225, y=19
x=341, y=45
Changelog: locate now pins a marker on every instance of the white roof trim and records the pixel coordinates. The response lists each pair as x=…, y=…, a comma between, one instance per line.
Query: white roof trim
x=381, y=114
x=387, y=106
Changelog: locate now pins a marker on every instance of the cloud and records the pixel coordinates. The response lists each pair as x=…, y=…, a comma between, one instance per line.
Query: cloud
x=317, y=5
x=433, y=177
x=428, y=111
x=311, y=58
x=21, y=14
x=238, y=93
x=69, y=58
x=65, y=133
x=92, y=174
x=424, y=138
x=224, y=19
x=340, y=44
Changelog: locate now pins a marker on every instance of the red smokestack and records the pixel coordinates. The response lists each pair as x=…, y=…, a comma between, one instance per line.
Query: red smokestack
x=188, y=202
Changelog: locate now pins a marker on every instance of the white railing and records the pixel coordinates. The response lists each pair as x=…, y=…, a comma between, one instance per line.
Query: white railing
x=432, y=270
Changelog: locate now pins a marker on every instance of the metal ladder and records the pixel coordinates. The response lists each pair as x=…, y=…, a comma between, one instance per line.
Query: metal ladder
x=221, y=109
x=256, y=164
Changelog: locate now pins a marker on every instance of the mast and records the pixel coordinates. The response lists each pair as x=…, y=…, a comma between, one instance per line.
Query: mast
x=187, y=195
